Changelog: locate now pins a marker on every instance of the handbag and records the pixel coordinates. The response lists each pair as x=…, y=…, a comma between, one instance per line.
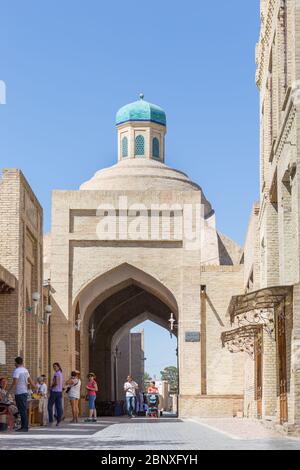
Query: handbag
x=70, y=386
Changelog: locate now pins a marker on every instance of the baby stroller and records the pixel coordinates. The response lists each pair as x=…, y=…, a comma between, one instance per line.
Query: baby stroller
x=152, y=402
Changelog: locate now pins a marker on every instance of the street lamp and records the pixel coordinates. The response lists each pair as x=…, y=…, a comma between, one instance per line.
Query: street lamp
x=92, y=332
x=78, y=323
x=117, y=355
x=48, y=313
x=36, y=297
x=172, y=322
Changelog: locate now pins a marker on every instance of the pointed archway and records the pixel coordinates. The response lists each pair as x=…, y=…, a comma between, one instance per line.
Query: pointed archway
x=108, y=305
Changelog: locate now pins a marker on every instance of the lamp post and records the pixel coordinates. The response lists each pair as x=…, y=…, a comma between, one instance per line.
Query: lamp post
x=203, y=345
x=117, y=355
x=48, y=313
x=173, y=325
x=92, y=332
x=78, y=323
x=36, y=297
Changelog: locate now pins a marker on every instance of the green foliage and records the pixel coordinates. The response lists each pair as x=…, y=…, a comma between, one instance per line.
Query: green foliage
x=171, y=375
x=147, y=380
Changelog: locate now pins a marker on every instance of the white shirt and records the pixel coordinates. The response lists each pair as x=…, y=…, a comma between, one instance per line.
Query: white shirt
x=22, y=374
x=130, y=388
x=74, y=391
x=43, y=389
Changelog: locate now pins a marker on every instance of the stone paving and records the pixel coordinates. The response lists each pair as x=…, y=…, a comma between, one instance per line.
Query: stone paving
x=241, y=429
x=142, y=434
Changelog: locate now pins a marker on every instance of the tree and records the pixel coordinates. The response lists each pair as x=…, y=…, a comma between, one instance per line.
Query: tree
x=147, y=380
x=170, y=374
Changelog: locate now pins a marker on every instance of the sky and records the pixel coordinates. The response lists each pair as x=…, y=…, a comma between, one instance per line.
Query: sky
x=70, y=65
x=160, y=348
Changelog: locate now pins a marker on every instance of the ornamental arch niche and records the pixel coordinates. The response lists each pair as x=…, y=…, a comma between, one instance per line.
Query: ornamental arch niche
x=111, y=303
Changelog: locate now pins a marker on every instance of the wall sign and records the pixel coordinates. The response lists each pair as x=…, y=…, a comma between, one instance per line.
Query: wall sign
x=192, y=337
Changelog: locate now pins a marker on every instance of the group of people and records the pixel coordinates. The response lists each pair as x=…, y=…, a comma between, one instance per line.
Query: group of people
x=131, y=388
x=74, y=394
x=50, y=403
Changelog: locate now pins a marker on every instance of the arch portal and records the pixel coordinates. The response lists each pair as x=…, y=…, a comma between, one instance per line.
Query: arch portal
x=112, y=305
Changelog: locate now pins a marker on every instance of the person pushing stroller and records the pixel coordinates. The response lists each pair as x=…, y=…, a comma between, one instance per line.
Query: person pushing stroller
x=153, y=401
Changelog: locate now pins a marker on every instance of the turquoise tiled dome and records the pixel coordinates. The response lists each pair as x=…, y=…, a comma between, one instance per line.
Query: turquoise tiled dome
x=141, y=110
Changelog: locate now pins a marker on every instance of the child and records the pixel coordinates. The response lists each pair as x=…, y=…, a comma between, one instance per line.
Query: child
x=42, y=391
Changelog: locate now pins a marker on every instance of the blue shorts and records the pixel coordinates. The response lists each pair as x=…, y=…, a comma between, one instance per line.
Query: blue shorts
x=92, y=400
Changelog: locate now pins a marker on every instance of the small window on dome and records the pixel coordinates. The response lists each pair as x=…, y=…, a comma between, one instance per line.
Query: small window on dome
x=139, y=146
x=124, y=147
x=155, y=148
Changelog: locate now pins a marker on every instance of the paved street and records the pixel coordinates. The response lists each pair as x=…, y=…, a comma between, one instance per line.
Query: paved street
x=141, y=434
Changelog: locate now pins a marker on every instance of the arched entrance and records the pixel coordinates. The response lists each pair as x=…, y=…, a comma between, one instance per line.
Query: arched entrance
x=109, y=307
x=127, y=306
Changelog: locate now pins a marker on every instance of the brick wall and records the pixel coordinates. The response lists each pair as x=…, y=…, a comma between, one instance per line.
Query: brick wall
x=21, y=219
x=211, y=406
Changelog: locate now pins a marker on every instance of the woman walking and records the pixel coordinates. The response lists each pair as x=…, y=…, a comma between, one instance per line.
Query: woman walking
x=56, y=398
x=74, y=387
x=92, y=389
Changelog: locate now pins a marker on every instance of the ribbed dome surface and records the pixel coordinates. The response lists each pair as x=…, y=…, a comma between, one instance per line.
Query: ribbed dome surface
x=139, y=174
x=141, y=111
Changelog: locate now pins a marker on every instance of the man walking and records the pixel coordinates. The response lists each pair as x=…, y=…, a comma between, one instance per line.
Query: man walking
x=131, y=388
x=21, y=378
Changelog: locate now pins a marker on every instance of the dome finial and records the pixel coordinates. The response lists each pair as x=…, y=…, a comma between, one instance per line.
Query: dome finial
x=142, y=96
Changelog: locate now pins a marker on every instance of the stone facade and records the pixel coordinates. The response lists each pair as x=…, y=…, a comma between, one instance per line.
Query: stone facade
x=117, y=257
x=271, y=252
x=127, y=246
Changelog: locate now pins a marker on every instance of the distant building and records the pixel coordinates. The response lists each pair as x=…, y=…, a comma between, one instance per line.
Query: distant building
x=128, y=359
x=164, y=393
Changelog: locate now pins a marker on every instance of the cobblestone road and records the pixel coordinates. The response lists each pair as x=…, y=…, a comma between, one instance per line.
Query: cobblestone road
x=165, y=434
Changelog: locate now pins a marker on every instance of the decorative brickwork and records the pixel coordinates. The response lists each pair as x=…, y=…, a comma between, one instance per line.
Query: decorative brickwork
x=21, y=221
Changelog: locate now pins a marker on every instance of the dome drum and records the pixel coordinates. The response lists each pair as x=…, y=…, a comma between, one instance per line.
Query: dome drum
x=141, y=166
